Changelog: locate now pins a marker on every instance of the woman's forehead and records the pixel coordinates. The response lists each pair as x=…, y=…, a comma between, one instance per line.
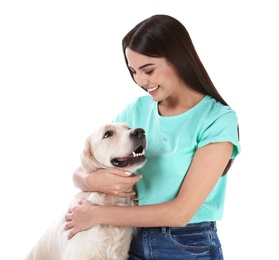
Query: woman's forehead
x=139, y=61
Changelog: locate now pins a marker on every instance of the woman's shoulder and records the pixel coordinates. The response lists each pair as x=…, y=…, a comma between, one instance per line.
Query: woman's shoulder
x=215, y=108
x=142, y=99
x=137, y=108
x=140, y=102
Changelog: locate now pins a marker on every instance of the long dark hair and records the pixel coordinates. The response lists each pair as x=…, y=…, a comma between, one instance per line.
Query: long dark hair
x=163, y=36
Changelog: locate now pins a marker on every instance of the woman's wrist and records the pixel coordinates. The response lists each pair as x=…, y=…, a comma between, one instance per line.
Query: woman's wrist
x=82, y=180
x=87, y=182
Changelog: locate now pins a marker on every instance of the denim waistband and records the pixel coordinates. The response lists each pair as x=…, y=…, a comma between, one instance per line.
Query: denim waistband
x=210, y=224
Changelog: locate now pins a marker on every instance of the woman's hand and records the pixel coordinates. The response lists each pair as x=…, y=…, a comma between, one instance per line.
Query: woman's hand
x=111, y=181
x=79, y=218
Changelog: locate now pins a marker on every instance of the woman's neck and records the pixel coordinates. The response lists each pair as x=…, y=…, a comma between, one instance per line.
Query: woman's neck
x=176, y=105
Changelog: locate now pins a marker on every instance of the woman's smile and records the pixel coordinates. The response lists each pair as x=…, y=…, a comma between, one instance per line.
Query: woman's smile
x=152, y=91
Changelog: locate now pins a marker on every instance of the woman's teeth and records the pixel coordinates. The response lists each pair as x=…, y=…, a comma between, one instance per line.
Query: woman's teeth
x=152, y=89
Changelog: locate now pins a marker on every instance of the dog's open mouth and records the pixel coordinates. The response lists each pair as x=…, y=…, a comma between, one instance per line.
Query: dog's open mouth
x=137, y=156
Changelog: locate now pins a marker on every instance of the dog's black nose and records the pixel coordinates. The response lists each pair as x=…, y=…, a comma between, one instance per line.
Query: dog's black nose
x=138, y=132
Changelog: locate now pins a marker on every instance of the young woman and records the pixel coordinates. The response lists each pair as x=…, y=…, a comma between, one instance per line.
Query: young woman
x=192, y=139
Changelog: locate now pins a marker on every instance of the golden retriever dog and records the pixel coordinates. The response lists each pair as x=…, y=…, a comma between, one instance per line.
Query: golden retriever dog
x=111, y=145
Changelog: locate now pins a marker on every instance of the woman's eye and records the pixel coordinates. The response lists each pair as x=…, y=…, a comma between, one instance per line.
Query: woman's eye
x=149, y=72
x=108, y=134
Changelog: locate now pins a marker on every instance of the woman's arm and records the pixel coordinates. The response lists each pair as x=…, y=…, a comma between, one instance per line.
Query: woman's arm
x=111, y=181
x=207, y=167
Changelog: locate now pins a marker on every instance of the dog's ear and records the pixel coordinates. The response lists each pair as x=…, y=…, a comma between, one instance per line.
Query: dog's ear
x=88, y=161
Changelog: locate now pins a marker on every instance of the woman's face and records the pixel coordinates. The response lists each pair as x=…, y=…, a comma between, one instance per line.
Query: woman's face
x=155, y=75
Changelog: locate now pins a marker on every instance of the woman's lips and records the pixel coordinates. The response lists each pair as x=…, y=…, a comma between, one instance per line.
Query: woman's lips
x=152, y=90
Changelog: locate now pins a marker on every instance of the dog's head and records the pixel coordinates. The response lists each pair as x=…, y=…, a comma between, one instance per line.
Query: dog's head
x=114, y=145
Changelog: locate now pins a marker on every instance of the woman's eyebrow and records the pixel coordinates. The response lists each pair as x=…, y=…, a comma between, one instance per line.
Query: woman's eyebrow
x=146, y=65
x=143, y=66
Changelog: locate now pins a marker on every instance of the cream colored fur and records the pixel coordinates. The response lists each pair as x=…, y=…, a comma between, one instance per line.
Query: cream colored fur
x=100, y=242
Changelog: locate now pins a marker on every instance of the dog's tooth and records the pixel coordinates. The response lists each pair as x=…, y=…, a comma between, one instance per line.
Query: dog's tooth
x=138, y=154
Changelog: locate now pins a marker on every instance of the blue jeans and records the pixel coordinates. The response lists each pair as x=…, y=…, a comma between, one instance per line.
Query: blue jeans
x=194, y=241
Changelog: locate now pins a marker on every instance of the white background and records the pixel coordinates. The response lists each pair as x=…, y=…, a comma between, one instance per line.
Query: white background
x=62, y=72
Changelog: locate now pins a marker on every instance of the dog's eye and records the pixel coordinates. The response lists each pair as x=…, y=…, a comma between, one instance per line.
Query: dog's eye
x=108, y=134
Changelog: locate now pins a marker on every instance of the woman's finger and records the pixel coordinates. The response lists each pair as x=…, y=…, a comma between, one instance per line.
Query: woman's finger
x=69, y=225
x=72, y=233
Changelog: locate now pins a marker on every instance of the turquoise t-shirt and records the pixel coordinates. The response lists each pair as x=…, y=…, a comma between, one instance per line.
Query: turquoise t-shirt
x=172, y=142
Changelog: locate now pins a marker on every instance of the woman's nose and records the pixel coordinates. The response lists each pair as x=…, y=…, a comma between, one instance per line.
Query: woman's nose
x=141, y=81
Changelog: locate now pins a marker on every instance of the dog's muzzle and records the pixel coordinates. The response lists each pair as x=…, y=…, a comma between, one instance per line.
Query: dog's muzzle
x=137, y=155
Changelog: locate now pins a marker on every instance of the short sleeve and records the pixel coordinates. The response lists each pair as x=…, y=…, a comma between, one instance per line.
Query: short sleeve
x=222, y=128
